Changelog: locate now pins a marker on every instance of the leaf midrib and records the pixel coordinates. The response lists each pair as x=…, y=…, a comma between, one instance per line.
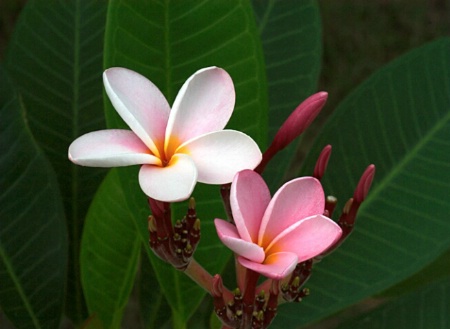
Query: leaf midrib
x=17, y=284
x=409, y=156
x=74, y=169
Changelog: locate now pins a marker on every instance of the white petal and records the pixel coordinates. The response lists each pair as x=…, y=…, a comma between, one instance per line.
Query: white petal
x=172, y=183
x=219, y=155
x=110, y=148
x=204, y=104
x=140, y=104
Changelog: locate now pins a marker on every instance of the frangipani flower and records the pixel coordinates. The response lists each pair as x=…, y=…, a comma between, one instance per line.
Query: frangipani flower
x=272, y=236
x=176, y=147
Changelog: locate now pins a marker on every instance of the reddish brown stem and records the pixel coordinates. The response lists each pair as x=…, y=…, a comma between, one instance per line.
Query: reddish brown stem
x=248, y=300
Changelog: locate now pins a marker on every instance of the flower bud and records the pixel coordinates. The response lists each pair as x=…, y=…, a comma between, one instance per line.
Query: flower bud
x=300, y=119
x=364, y=184
x=295, y=124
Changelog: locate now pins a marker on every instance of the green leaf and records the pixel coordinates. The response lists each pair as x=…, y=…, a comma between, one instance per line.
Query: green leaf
x=425, y=308
x=33, y=248
x=438, y=269
x=155, y=310
x=93, y=322
x=109, y=255
x=55, y=58
x=292, y=42
x=398, y=119
x=167, y=43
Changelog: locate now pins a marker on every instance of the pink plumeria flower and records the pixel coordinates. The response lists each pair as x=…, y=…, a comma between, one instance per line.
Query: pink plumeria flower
x=272, y=236
x=176, y=147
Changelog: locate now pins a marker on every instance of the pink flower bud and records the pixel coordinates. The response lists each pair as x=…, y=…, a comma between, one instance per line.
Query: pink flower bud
x=364, y=184
x=217, y=286
x=322, y=162
x=294, y=125
x=300, y=119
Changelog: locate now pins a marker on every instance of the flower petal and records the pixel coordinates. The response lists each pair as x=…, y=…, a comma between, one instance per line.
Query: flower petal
x=295, y=200
x=219, y=155
x=229, y=235
x=110, y=148
x=172, y=183
x=204, y=104
x=276, y=266
x=140, y=104
x=249, y=197
x=306, y=238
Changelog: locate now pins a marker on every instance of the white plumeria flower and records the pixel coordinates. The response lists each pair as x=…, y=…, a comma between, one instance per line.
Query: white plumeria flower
x=177, y=147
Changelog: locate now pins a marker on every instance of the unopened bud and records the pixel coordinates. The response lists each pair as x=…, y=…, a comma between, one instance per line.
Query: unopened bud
x=178, y=225
x=300, y=119
x=348, y=206
x=197, y=225
x=151, y=224
x=217, y=286
x=261, y=295
x=330, y=205
x=191, y=203
x=364, y=184
x=259, y=316
x=296, y=282
x=322, y=162
x=295, y=124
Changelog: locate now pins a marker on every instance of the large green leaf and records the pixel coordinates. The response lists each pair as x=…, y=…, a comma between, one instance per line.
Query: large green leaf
x=110, y=251
x=292, y=44
x=167, y=42
x=155, y=311
x=399, y=119
x=55, y=58
x=438, y=269
x=33, y=248
x=427, y=308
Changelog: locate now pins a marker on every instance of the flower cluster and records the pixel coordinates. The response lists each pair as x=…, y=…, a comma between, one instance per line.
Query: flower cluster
x=278, y=237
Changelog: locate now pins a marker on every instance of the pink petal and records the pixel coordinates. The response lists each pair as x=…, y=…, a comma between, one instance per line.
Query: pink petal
x=140, y=104
x=249, y=197
x=204, y=104
x=110, y=148
x=219, y=155
x=172, y=183
x=295, y=200
x=306, y=238
x=229, y=235
x=276, y=266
